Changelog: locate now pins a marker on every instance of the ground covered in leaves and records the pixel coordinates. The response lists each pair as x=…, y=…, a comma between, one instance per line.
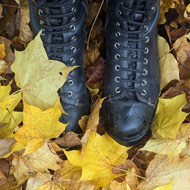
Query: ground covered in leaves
x=35, y=157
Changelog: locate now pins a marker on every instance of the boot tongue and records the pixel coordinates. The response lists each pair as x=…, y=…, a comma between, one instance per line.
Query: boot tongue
x=131, y=4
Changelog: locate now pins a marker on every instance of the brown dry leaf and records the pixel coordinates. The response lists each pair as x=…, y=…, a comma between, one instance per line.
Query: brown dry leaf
x=3, y=178
x=1, y=11
x=43, y=160
x=5, y=145
x=34, y=182
x=165, y=5
x=9, y=58
x=184, y=68
x=161, y=171
x=96, y=72
x=25, y=34
x=168, y=64
x=182, y=46
x=180, y=88
x=70, y=140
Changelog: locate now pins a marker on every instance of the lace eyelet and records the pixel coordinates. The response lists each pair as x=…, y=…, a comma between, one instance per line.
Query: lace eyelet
x=73, y=9
x=117, y=67
x=72, y=72
x=40, y=12
x=70, y=82
x=145, y=72
x=117, y=45
x=153, y=9
x=117, y=34
x=117, y=24
x=72, y=27
x=70, y=93
x=146, y=28
x=43, y=32
x=146, y=39
x=41, y=22
x=73, y=19
x=145, y=61
x=73, y=1
x=143, y=92
x=117, y=56
x=72, y=60
x=143, y=83
x=117, y=90
x=73, y=38
x=73, y=49
x=146, y=51
x=117, y=79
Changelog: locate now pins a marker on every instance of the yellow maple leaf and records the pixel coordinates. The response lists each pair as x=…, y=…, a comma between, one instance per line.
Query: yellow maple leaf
x=38, y=77
x=100, y=155
x=169, y=69
x=39, y=125
x=169, y=116
x=8, y=116
x=92, y=123
x=165, y=187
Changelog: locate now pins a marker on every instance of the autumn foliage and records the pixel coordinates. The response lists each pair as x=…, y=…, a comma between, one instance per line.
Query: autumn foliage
x=34, y=152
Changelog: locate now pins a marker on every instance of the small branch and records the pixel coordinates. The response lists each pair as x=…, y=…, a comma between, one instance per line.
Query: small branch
x=88, y=41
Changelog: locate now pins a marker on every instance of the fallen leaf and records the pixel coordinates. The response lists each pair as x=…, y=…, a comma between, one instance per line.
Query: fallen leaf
x=9, y=58
x=8, y=116
x=25, y=34
x=92, y=123
x=161, y=171
x=2, y=51
x=1, y=11
x=5, y=145
x=100, y=155
x=43, y=160
x=170, y=147
x=3, y=178
x=165, y=187
x=38, y=126
x=34, y=182
x=96, y=72
x=168, y=64
x=38, y=77
x=70, y=140
x=169, y=116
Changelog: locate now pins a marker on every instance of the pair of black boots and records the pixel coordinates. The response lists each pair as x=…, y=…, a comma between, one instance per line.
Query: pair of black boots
x=132, y=76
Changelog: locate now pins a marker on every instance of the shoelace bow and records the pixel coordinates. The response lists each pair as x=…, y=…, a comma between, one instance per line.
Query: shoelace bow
x=126, y=11
x=57, y=27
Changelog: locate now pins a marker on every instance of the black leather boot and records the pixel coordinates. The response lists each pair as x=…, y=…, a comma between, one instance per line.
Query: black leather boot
x=132, y=78
x=63, y=35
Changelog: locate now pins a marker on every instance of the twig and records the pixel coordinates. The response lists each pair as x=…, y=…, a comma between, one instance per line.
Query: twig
x=4, y=5
x=88, y=41
x=32, y=167
x=129, y=172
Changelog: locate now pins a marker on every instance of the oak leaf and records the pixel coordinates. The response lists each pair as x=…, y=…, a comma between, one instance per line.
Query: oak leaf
x=169, y=116
x=38, y=77
x=39, y=125
x=168, y=64
x=100, y=155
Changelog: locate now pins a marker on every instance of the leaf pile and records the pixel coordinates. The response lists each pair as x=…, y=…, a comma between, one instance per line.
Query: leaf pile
x=36, y=155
